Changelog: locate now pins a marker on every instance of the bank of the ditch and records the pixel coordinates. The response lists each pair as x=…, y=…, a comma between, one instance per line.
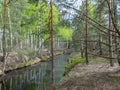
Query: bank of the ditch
x=13, y=61
x=98, y=75
x=72, y=63
x=35, y=77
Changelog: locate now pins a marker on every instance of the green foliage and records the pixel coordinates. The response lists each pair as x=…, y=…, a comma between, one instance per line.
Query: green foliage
x=72, y=63
x=56, y=14
x=65, y=32
x=33, y=1
x=92, y=10
x=37, y=18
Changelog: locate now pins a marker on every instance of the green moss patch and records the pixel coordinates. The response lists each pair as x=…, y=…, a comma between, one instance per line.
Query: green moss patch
x=72, y=63
x=31, y=62
x=21, y=65
x=45, y=58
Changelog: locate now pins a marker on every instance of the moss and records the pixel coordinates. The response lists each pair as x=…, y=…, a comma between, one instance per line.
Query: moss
x=44, y=58
x=72, y=63
x=1, y=71
x=21, y=65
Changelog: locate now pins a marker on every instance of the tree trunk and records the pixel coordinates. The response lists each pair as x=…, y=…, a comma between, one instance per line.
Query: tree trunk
x=86, y=38
x=82, y=50
x=110, y=39
x=112, y=18
x=10, y=32
x=52, y=44
x=118, y=57
x=100, y=38
x=1, y=39
x=100, y=44
x=116, y=38
x=4, y=34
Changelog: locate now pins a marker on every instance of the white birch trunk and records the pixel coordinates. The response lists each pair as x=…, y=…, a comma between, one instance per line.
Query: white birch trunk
x=11, y=40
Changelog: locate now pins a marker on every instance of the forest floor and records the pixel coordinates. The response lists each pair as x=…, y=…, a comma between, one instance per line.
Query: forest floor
x=98, y=75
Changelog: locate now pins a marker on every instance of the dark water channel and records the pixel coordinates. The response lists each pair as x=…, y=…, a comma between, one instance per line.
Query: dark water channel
x=36, y=77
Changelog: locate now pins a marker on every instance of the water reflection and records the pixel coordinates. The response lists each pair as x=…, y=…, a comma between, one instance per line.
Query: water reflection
x=35, y=78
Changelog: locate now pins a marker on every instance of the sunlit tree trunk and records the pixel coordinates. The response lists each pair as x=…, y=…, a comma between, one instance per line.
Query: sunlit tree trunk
x=10, y=31
x=1, y=27
x=34, y=42
x=58, y=43
x=21, y=41
x=82, y=49
x=39, y=39
x=30, y=38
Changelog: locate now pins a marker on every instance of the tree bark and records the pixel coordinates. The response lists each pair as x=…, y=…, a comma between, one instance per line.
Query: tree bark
x=4, y=35
x=100, y=44
x=52, y=44
x=100, y=37
x=110, y=39
x=11, y=41
x=1, y=47
x=86, y=38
